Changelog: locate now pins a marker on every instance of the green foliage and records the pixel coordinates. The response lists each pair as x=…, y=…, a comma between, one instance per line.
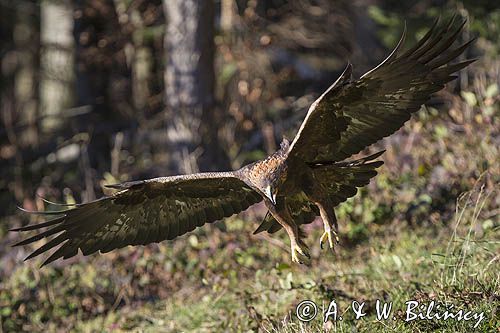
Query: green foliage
x=416, y=264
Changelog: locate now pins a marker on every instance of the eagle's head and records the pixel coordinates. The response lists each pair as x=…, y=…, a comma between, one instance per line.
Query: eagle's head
x=269, y=174
x=274, y=179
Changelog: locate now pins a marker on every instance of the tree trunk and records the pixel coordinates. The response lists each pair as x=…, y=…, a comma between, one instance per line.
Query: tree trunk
x=26, y=42
x=56, y=81
x=227, y=15
x=189, y=85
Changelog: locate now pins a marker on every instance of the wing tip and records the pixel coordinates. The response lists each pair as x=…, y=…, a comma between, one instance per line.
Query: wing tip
x=259, y=229
x=126, y=185
x=346, y=73
x=30, y=256
x=23, y=209
x=377, y=154
x=39, y=225
x=55, y=203
x=34, y=212
x=18, y=229
x=53, y=257
x=118, y=186
x=391, y=55
x=264, y=225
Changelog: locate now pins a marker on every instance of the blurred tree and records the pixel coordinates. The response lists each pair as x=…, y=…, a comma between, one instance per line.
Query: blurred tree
x=26, y=44
x=189, y=86
x=18, y=111
x=228, y=13
x=56, y=82
x=96, y=30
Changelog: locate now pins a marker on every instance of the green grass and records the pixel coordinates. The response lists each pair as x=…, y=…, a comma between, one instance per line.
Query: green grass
x=227, y=280
x=449, y=266
x=255, y=289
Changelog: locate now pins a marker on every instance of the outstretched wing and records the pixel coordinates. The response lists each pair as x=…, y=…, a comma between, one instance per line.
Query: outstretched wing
x=142, y=212
x=352, y=115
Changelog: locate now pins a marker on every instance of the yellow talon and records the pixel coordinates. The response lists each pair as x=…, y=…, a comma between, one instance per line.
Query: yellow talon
x=296, y=251
x=295, y=258
x=328, y=235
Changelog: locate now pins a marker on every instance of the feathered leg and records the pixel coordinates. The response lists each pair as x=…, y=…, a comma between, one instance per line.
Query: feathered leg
x=298, y=248
x=327, y=212
x=330, y=224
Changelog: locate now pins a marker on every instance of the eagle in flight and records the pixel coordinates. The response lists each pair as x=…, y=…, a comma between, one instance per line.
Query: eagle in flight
x=303, y=179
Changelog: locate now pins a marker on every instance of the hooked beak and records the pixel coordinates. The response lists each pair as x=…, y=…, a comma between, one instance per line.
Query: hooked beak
x=269, y=194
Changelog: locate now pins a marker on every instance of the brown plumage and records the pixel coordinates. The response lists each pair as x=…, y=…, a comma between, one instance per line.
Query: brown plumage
x=300, y=181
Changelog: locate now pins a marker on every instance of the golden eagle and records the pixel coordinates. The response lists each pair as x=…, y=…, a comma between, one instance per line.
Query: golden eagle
x=303, y=179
